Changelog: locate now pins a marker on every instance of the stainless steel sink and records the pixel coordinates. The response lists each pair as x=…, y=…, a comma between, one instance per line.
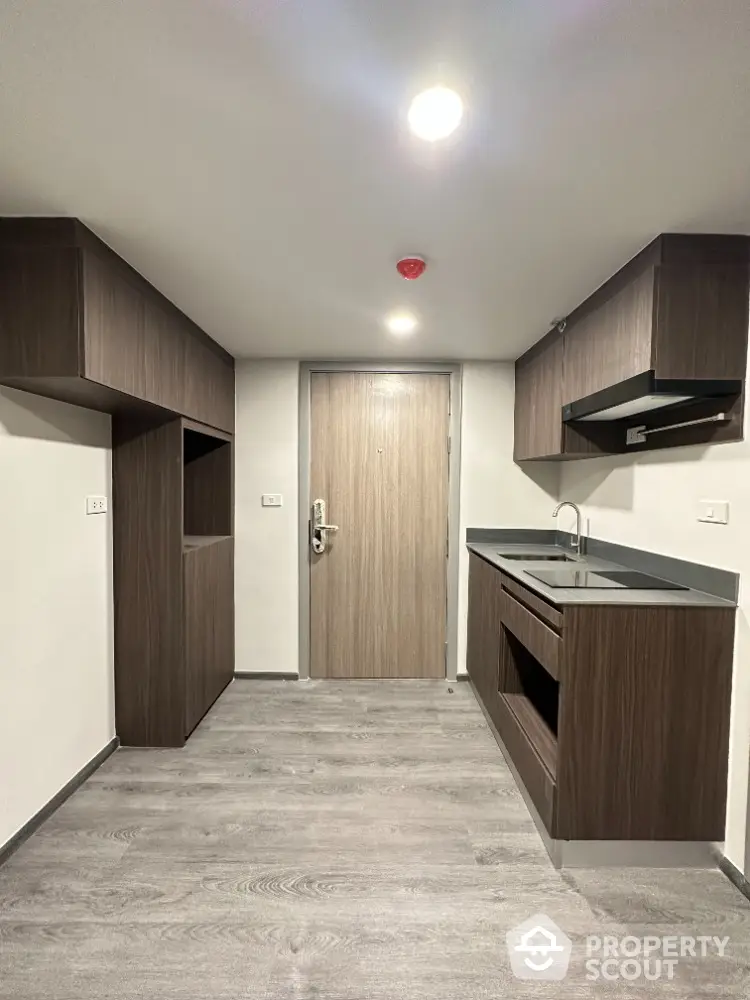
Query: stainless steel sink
x=533, y=557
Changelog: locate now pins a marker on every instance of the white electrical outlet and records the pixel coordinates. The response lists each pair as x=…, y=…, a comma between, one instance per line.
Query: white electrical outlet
x=96, y=505
x=713, y=511
x=271, y=500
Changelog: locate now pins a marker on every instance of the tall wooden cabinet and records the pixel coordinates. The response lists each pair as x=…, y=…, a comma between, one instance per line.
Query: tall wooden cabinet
x=77, y=323
x=174, y=576
x=678, y=309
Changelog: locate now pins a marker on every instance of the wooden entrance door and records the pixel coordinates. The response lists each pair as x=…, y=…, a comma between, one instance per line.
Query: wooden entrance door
x=379, y=459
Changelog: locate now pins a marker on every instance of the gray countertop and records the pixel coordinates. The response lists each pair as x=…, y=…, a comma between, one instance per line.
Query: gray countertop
x=492, y=552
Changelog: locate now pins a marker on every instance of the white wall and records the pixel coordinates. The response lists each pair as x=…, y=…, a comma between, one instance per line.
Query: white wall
x=494, y=492
x=266, y=538
x=56, y=648
x=651, y=502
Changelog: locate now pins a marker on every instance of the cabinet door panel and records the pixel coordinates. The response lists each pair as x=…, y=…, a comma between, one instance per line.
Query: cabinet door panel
x=39, y=317
x=164, y=346
x=209, y=385
x=209, y=626
x=538, y=404
x=612, y=342
x=139, y=347
x=484, y=628
x=114, y=329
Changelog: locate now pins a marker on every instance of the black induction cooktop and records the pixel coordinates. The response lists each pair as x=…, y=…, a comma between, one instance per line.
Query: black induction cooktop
x=603, y=579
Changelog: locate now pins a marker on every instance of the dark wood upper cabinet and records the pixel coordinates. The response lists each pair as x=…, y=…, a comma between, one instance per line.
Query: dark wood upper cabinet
x=538, y=401
x=610, y=343
x=679, y=309
x=539, y=431
x=79, y=324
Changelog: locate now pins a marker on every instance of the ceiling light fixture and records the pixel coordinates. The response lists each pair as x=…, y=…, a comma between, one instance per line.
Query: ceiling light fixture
x=401, y=324
x=435, y=113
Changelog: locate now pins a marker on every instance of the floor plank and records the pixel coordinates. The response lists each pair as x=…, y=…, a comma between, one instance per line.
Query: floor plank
x=342, y=840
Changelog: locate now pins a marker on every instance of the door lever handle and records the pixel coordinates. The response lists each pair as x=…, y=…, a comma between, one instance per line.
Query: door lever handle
x=320, y=529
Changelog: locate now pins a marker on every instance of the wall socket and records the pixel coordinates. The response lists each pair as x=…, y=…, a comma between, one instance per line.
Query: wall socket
x=713, y=511
x=96, y=505
x=271, y=499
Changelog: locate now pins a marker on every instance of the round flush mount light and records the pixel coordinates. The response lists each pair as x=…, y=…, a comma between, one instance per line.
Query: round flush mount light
x=401, y=323
x=435, y=113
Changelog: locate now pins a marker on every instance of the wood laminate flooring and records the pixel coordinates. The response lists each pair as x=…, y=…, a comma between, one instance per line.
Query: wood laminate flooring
x=354, y=839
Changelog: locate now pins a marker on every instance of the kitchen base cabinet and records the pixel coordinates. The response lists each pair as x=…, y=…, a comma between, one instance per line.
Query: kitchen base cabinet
x=483, y=637
x=616, y=718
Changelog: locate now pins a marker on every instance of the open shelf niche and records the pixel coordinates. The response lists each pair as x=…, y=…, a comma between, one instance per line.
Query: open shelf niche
x=207, y=486
x=533, y=696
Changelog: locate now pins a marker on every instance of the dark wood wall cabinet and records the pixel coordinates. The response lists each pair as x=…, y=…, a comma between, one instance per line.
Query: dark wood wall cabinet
x=679, y=309
x=616, y=718
x=78, y=324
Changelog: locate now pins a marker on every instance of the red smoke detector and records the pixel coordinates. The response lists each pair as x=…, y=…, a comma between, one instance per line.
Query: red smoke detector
x=411, y=267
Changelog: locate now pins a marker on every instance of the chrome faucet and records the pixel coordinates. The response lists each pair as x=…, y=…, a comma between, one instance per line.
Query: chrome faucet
x=578, y=544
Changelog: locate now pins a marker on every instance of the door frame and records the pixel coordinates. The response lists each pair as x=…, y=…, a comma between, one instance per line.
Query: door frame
x=306, y=370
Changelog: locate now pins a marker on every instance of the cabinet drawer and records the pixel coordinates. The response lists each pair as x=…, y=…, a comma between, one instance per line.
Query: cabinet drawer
x=532, y=633
x=540, y=607
x=537, y=780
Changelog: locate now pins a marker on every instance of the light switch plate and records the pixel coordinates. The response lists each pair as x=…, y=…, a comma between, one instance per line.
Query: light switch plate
x=96, y=505
x=271, y=499
x=713, y=511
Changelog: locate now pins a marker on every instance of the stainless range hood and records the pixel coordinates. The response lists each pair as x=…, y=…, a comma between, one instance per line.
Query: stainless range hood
x=643, y=393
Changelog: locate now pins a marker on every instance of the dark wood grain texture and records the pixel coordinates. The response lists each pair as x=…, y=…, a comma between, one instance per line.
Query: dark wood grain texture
x=610, y=343
x=680, y=307
x=542, y=609
x=56, y=233
x=537, y=779
x=544, y=644
x=635, y=735
x=541, y=737
x=483, y=630
x=149, y=620
x=200, y=428
x=644, y=723
x=92, y=395
x=114, y=320
x=209, y=626
x=538, y=415
x=71, y=308
x=701, y=321
x=137, y=343
x=209, y=385
x=39, y=313
x=208, y=463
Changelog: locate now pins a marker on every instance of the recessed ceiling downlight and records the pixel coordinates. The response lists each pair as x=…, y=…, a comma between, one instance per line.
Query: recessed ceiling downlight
x=401, y=324
x=435, y=113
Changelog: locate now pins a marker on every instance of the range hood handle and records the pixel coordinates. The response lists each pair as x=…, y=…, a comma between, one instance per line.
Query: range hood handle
x=639, y=435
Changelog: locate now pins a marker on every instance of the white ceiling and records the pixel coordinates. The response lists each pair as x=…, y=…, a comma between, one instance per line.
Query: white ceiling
x=250, y=157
